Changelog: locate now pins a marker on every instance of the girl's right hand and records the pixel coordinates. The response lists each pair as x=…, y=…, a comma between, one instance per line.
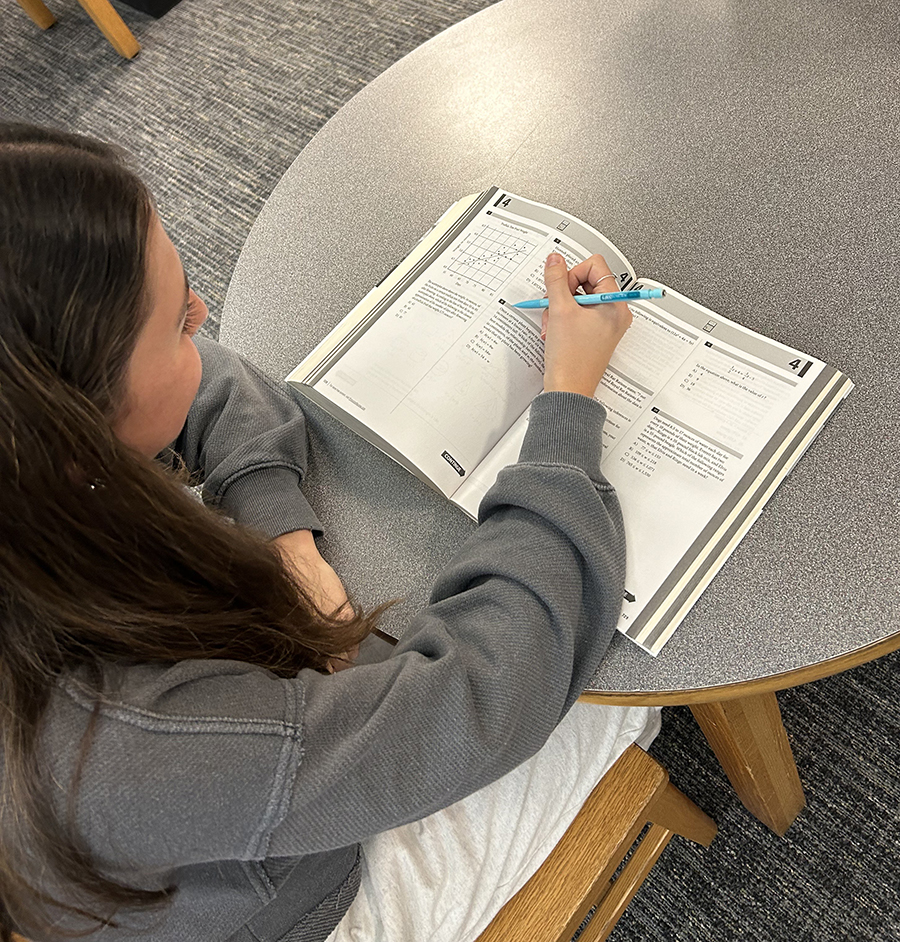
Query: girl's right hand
x=580, y=339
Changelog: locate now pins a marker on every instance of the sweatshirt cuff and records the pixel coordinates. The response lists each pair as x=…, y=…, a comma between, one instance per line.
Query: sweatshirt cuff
x=269, y=500
x=565, y=428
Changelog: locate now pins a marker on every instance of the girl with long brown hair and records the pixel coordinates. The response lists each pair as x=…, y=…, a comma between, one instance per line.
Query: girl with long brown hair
x=178, y=759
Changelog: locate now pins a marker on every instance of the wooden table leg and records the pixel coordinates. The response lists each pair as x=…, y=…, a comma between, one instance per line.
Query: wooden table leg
x=750, y=742
x=38, y=13
x=112, y=26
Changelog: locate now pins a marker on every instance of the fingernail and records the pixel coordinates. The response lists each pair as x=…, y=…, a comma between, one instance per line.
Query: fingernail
x=554, y=259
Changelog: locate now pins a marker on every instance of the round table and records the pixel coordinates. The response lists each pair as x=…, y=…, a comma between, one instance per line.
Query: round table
x=742, y=154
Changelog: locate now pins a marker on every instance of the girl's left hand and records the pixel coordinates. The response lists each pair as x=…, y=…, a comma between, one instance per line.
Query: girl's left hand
x=299, y=551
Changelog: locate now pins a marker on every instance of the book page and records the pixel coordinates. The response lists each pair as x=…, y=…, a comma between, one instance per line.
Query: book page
x=663, y=369
x=505, y=452
x=700, y=411
x=704, y=419
x=442, y=365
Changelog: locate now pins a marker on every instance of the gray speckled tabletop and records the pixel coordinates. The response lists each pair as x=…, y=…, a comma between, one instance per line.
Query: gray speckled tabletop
x=745, y=154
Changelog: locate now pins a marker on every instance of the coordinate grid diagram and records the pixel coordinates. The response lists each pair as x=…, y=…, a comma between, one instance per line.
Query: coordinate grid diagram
x=489, y=256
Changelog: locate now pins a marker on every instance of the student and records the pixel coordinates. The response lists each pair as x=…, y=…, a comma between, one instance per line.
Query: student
x=180, y=760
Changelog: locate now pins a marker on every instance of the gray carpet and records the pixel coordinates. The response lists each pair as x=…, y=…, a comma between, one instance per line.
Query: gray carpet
x=222, y=98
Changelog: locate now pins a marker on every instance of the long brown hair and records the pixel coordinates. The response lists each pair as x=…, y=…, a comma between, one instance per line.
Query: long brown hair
x=104, y=555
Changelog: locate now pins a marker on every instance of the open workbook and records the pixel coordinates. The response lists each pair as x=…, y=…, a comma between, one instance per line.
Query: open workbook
x=704, y=417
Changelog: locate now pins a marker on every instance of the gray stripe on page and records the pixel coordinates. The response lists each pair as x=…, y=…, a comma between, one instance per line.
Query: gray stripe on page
x=372, y=317
x=517, y=222
x=576, y=252
x=651, y=310
x=629, y=380
x=575, y=229
x=712, y=557
x=699, y=546
x=522, y=316
x=755, y=366
x=693, y=431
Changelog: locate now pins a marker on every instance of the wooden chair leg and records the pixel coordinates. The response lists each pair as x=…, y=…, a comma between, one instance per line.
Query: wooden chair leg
x=676, y=813
x=622, y=890
x=578, y=874
x=671, y=813
x=38, y=13
x=113, y=28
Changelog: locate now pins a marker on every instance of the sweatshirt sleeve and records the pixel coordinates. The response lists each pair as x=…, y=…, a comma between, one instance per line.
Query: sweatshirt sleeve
x=245, y=440
x=515, y=628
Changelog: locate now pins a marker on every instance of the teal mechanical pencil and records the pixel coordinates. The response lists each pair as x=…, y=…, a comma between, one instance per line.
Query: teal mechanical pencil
x=642, y=294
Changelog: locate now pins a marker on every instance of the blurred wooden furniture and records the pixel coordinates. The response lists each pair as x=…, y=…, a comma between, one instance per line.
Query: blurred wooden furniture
x=578, y=874
x=101, y=12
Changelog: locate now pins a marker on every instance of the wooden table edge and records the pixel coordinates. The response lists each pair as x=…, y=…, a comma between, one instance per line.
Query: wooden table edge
x=746, y=688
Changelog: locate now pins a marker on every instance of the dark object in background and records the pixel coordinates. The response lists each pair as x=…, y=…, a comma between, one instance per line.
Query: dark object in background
x=153, y=7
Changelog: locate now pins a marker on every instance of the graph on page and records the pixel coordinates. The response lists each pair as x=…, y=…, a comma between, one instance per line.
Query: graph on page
x=489, y=256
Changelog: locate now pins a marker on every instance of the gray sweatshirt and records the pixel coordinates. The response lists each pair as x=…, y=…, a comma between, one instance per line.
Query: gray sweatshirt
x=251, y=793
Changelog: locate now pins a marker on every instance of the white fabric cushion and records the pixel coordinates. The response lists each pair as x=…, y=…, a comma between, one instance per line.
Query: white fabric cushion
x=444, y=878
